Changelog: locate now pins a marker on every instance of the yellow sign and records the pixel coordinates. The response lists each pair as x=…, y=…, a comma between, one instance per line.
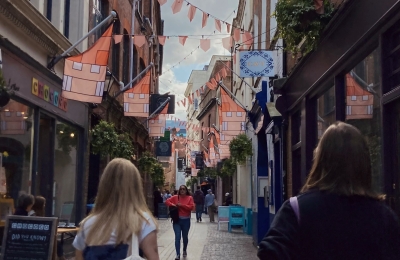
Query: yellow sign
x=35, y=87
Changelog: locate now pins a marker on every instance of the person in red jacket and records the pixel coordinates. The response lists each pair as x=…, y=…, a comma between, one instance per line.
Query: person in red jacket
x=185, y=205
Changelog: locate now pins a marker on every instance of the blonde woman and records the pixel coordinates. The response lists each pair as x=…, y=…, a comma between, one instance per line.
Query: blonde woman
x=120, y=211
x=338, y=215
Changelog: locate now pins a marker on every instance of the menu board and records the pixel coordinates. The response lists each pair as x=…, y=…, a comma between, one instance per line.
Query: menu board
x=162, y=211
x=28, y=238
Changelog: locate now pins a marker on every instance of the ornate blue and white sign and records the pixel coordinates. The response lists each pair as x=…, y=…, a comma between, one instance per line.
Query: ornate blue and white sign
x=256, y=64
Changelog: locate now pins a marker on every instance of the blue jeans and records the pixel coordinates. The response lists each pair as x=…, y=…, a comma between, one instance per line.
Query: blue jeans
x=182, y=226
x=199, y=210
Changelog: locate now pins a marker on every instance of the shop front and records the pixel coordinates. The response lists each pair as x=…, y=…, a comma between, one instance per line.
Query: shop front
x=354, y=77
x=42, y=138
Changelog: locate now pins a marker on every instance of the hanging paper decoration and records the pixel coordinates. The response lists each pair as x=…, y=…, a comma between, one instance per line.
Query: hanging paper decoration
x=217, y=77
x=228, y=27
x=161, y=39
x=232, y=117
x=162, y=2
x=192, y=12
x=165, y=109
x=247, y=38
x=214, y=82
x=197, y=92
x=184, y=102
x=157, y=126
x=205, y=44
x=223, y=73
x=136, y=99
x=117, y=38
x=236, y=34
x=139, y=40
x=182, y=40
x=218, y=25
x=85, y=74
x=227, y=43
x=204, y=20
x=201, y=89
x=178, y=104
x=190, y=99
x=177, y=6
x=210, y=85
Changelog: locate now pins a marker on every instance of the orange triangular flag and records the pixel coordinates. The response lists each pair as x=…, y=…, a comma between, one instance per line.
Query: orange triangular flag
x=162, y=2
x=139, y=40
x=161, y=39
x=117, y=38
x=177, y=6
x=217, y=77
x=192, y=12
x=228, y=27
x=204, y=20
x=236, y=34
x=218, y=25
x=205, y=44
x=210, y=85
x=248, y=38
x=214, y=82
x=136, y=99
x=182, y=40
x=223, y=73
x=190, y=99
x=85, y=74
x=227, y=43
x=184, y=102
x=165, y=109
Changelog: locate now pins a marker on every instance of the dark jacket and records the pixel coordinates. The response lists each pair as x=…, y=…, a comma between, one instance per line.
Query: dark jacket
x=333, y=227
x=198, y=197
x=20, y=212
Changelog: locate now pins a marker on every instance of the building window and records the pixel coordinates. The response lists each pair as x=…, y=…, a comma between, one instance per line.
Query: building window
x=202, y=130
x=209, y=120
x=16, y=134
x=125, y=71
x=100, y=12
x=326, y=111
x=66, y=17
x=363, y=108
x=116, y=51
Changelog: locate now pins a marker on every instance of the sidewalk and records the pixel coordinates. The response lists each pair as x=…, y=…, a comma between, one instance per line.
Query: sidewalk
x=206, y=242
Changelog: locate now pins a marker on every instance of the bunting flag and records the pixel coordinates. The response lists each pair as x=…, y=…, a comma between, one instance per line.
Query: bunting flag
x=139, y=40
x=161, y=39
x=359, y=102
x=218, y=25
x=162, y=2
x=182, y=40
x=232, y=117
x=214, y=83
x=247, y=38
x=85, y=74
x=205, y=44
x=192, y=12
x=236, y=34
x=217, y=77
x=190, y=99
x=136, y=99
x=224, y=74
x=157, y=126
x=210, y=86
x=202, y=89
x=204, y=20
x=197, y=92
x=165, y=110
x=227, y=43
x=184, y=102
x=118, y=38
x=228, y=27
x=177, y=6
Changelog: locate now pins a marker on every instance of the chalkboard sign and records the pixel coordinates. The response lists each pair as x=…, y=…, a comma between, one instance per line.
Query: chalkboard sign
x=236, y=217
x=28, y=238
x=162, y=210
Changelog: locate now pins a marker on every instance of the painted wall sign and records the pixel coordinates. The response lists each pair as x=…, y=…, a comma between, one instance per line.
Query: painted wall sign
x=50, y=95
x=256, y=64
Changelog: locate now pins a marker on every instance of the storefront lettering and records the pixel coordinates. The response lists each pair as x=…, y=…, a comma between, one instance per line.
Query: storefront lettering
x=46, y=93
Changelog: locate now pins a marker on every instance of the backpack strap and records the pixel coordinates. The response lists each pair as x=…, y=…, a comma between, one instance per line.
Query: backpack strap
x=294, y=203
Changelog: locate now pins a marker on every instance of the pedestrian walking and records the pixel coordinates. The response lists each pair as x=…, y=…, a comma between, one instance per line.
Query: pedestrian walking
x=198, y=198
x=157, y=198
x=210, y=204
x=228, y=199
x=185, y=205
x=338, y=215
x=120, y=222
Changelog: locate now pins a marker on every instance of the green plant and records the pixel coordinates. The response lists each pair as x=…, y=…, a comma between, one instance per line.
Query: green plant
x=7, y=87
x=191, y=181
x=123, y=148
x=240, y=148
x=207, y=172
x=149, y=165
x=297, y=20
x=228, y=168
x=104, y=138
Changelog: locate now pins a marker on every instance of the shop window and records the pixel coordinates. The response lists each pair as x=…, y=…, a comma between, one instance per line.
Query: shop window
x=363, y=108
x=325, y=111
x=65, y=167
x=100, y=12
x=125, y=75
x=116, y=51
x=391, y=55
x=16, y=121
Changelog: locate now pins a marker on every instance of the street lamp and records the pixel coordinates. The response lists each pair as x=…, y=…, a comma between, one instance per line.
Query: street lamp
x=108, y=82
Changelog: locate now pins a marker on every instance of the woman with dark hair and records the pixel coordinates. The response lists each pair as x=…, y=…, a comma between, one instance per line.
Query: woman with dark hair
x=24, y=204
x=38, y=207
x=338, y=215
x=185, y=205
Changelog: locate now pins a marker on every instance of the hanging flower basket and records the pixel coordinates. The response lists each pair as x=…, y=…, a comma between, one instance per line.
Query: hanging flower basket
x=240, y=148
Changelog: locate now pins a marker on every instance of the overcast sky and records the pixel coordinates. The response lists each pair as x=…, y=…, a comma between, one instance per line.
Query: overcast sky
x=175, y=79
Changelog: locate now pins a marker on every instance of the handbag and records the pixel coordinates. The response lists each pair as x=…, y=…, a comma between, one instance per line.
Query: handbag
x=134, y=249
x=174, y=213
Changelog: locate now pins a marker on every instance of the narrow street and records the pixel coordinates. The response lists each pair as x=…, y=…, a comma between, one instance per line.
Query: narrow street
x=206, y=242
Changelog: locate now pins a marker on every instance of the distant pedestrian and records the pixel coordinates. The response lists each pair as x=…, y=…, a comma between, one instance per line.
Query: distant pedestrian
x=185, y=205
x=198, y=198
x=24, y=204
x=228, y=199
x=166, y=196
x=210, y=204
x=175, y=192
x=338, y=215
x=121, y=217
x=157, y=198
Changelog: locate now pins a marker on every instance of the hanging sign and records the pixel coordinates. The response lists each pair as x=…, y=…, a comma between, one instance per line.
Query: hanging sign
x=256, y=64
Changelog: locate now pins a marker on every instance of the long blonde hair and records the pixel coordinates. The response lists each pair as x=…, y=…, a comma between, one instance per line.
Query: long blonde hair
x=120, y=204
x=342, y=163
